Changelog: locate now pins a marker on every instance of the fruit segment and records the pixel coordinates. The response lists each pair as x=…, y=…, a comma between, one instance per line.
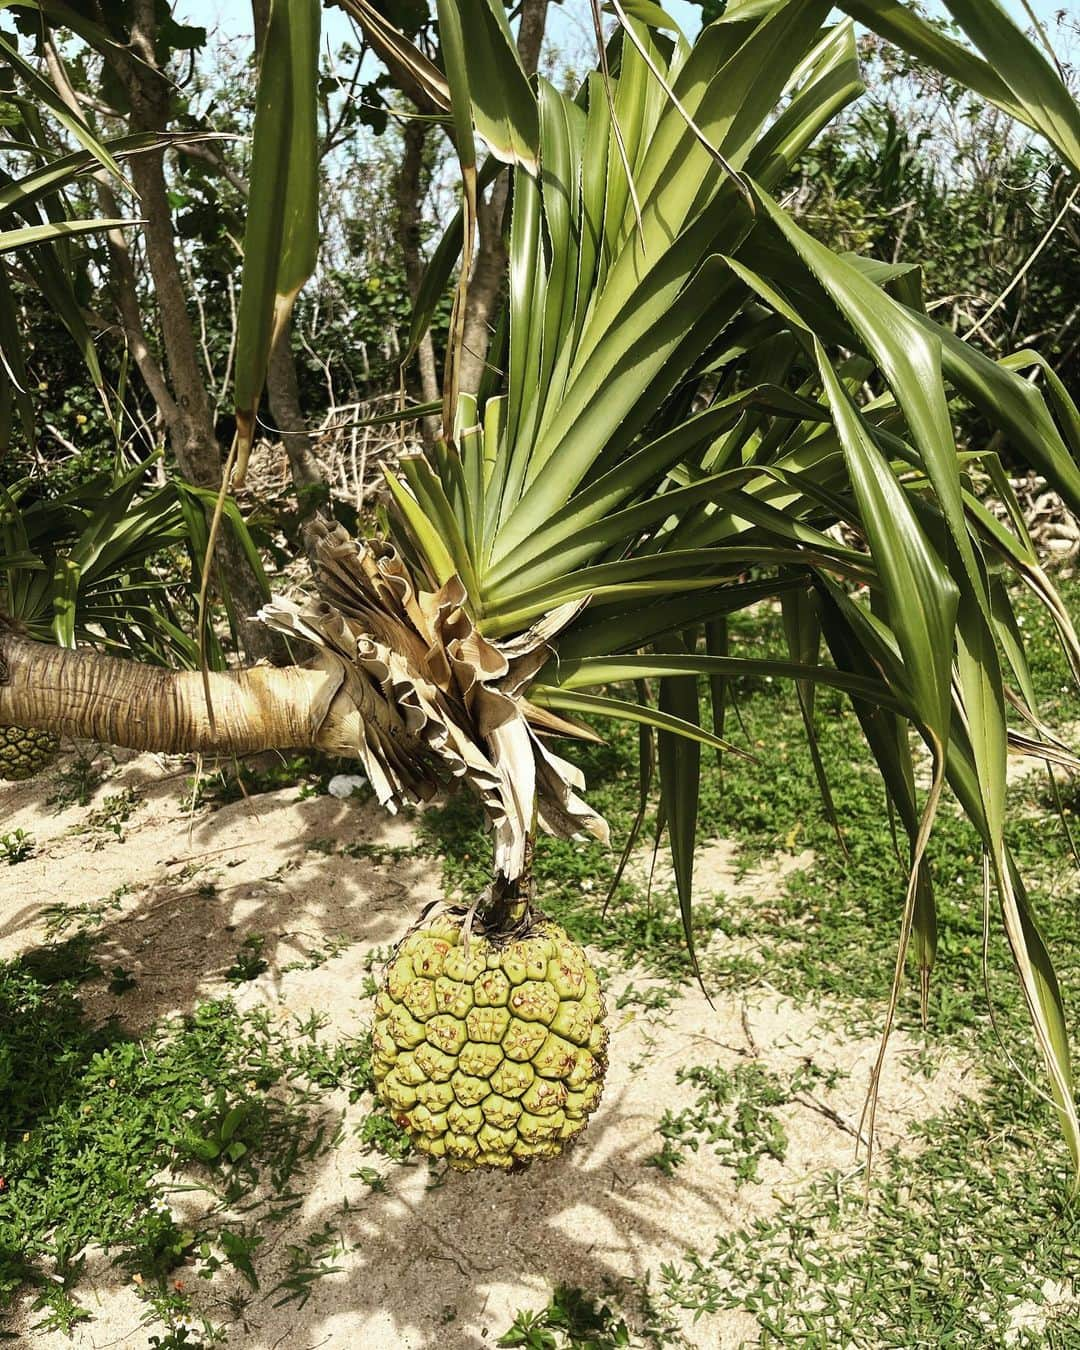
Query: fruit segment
x=24, y=752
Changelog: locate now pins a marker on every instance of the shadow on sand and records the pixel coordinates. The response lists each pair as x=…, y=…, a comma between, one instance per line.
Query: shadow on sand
x=433, y=1260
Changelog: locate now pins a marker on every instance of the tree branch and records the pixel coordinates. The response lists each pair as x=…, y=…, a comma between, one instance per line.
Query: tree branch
x=192, y=434
x=408, y=191
x=199, y=150
x=284, y=397
x=82, y=693
x=530, y=36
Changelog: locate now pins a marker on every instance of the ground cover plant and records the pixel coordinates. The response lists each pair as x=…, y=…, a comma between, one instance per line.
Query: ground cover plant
x=688, y=444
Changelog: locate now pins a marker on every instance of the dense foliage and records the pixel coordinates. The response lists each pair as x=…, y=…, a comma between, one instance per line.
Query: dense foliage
x=921, y=170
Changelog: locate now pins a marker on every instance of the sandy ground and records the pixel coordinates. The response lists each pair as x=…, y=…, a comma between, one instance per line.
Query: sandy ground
x=443, y=1267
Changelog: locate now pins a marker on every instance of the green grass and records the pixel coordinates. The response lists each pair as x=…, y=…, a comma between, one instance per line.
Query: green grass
x=235, y=780
x=960, y=1239
x=734, y=1115
x=89, y=1116
x=954, y=1242
x=112, y=815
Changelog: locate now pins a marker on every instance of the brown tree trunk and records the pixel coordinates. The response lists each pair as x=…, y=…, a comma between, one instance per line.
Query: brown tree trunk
x=122, y=280
x=284, y=397
x=409, y=193
x=530, y=36
x=485, y=284
x=81, y=693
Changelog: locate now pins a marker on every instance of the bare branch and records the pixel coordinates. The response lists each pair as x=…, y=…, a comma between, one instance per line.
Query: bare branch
x=200, y=150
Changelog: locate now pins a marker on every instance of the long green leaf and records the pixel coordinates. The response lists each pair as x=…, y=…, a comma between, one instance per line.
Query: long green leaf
x=55, y=229
x=586, y=672
x=281, y=239
x=45, y=95
x=503, y=104
x=621, y=710
x=1015, y=74
x=910, y=360
x=679, y=761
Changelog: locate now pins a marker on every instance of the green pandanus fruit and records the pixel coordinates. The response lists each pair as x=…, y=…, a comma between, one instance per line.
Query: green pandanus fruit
x=489, y=1043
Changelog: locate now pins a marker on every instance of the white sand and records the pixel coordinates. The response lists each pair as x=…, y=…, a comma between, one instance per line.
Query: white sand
x=422, y=1269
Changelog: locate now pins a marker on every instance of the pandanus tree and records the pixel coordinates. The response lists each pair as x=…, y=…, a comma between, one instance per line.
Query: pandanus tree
x=690, y=406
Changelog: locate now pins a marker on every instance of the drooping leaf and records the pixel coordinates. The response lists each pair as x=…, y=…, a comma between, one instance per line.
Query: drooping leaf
x=281, y=239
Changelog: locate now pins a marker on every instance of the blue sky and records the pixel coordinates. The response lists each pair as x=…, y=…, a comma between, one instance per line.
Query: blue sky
x=233, y=17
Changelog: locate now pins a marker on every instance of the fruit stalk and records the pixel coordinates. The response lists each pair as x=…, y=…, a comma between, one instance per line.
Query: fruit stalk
x=506, y=905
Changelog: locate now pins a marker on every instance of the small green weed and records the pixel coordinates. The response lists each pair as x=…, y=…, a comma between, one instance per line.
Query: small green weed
x=331, y=947
x=308, y=1262
x=733, y=1113
x=381, y=1135
x=372, y=1178
x=250, y=962
x=234, y=781
x=223, y=1131
x=76, y=782
x=573, y=1320
x=17, y=846
x=154, y=1244
x=374, y=961
x=87, y=913
x=345, y=1065
x=121, y=981
x=656, y=998
x=113, y=813
x=379, y=853
x=239, y=1246
x=180, y=1336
